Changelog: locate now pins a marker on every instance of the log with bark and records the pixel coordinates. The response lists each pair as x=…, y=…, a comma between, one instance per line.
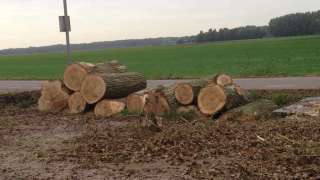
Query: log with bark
x=76, y=73
x=77, y=103
x=161, y=101
x=214, y=99
x=136, y=102
x=109, y=108
x=54, y=96
x=186, y=93
x=98, y=86
x=260, y=109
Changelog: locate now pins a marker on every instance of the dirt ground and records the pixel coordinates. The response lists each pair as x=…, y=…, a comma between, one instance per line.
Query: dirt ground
x=36, y=145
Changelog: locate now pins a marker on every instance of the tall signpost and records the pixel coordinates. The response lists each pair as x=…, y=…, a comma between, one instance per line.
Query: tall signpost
x=65, y=26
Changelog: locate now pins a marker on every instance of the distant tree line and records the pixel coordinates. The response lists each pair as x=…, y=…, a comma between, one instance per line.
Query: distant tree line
x=296, y=24
x=288, y=25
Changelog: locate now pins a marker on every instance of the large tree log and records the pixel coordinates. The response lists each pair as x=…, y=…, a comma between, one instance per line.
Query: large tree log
x=76, y=103
x=223, y=80
x=54, y=97
x=161, y=101
x=136, y=102
x=112, y=86
x=76, y=73
x=261, y=109
x=109, y=108
x=214, y=99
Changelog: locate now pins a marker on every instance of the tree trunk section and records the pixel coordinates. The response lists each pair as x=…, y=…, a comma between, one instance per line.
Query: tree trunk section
x=54, y=97
x=109, y=108
x=136, y=102
x=161, y=101
x=223, y=80
x=76, y=103
x=112, y=86
x=187, y=93
x=75, y=73
x=261, y=109
x=214, y=99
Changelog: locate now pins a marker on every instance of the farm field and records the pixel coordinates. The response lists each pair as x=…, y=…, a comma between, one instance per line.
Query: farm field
x=298, y=56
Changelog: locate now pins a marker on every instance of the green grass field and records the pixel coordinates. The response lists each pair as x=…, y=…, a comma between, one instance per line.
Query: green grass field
x=299, y=56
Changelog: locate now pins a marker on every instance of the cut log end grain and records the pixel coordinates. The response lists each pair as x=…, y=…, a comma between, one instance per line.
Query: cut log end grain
x=75, y=74
x=93, y=89
x=223, y=80
x=156, y=104
x=54, y=97
x=76, y=103
x=184, y=93
x=211, y=99
x=109, y=108
x=136, y=103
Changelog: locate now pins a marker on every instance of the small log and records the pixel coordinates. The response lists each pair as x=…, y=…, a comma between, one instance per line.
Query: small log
x=77, y=103
x=214, y=99
x=261, y=109
x=75, y=73
x=54, y=97
x=109, y=108
x=223, y=80
x=136, y=102
x=112, y=86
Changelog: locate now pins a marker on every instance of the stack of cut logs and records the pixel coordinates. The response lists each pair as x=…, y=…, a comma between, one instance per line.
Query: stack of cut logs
x=108, y=89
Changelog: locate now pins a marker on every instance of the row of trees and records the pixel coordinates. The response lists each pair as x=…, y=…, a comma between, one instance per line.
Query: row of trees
x=296, y=24
x=289, y=25
x=248, y=32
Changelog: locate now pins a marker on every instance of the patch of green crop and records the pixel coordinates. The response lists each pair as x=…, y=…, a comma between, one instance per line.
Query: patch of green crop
x=263, y=57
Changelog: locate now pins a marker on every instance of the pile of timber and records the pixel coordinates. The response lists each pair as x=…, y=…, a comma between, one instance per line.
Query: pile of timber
x=204, y=97
x=109, y=88
x=102, y=88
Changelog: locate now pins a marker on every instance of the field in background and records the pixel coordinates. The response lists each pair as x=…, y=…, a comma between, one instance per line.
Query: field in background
x=266, y=57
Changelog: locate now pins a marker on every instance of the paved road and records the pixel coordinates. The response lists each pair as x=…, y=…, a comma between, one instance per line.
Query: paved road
x=246, y=83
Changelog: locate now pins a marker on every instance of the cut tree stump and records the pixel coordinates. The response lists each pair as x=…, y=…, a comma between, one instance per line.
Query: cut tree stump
x=223, y=80
x=214, y=99
x=76, y=103
x=109, y=108
x=260, y=109
x=112, y=86
x=54, y=97
x=75, y=73
x=136, y=102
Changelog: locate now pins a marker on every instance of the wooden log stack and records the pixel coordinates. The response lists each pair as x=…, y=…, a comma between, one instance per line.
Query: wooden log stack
x=101, y=88
x=109, y=88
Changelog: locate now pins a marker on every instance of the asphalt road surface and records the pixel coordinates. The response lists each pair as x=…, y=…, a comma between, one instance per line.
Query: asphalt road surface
x=245, y=83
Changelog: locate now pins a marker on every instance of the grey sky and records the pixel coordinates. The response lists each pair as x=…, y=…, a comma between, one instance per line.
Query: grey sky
x=35, y=22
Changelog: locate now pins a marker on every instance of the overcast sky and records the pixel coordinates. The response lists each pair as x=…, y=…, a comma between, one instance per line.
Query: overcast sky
x=35, y=22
